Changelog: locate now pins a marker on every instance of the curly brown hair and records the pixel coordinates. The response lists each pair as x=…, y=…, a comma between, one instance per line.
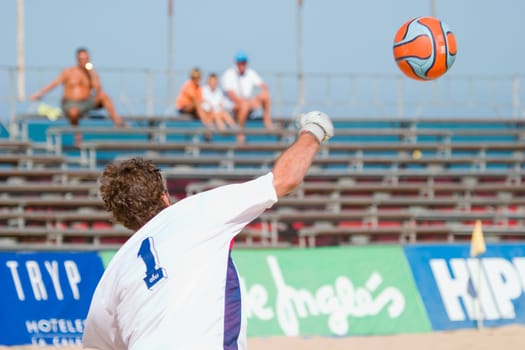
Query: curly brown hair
x=132, y=191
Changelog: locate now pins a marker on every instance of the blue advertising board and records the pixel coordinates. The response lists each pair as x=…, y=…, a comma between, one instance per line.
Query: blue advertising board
x=46, y=296
x=460, y=291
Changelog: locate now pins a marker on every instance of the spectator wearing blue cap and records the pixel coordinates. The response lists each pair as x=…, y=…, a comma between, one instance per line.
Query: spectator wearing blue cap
x=247, y=92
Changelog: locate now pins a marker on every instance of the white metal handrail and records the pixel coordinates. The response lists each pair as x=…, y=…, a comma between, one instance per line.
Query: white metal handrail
x=144, y=92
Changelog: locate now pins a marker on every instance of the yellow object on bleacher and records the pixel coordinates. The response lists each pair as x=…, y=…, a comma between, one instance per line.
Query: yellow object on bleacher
x=52, y=113
x=477, y=241
x=416, y=154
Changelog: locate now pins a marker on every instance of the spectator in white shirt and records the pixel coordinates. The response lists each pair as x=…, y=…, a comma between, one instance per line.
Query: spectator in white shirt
x=215, y=104
x=247, y=92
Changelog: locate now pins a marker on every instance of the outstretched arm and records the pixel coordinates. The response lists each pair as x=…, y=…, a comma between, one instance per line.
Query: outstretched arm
x=58, y=80
x=293, y=164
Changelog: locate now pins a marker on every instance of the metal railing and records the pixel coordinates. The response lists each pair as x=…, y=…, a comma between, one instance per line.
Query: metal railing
x=145, y=92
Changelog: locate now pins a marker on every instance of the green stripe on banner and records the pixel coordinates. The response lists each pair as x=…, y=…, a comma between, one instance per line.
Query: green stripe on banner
x=330, y=291
x=106, y=256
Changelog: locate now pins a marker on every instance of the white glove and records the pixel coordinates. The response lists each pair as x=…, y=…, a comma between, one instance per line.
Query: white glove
x=318, y=124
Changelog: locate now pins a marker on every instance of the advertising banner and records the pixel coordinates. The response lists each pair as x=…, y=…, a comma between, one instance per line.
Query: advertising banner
x=330, y=291
x=333, y=291
x=46, y=296
x=464, y=292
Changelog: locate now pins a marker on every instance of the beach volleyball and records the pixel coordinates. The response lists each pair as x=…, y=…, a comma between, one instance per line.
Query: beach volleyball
x=424, y=48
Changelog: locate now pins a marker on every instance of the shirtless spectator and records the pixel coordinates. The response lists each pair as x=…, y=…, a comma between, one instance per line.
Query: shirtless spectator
x=215, y=104
x=247, y=91
x=82, y=92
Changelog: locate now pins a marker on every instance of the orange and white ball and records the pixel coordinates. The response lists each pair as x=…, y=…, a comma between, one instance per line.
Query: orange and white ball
x=424, y=48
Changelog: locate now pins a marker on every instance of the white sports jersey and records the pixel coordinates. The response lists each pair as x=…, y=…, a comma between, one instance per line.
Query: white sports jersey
x=242, y=85
x=172, y=285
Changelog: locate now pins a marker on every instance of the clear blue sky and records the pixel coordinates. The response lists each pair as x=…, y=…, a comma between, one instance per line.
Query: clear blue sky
x=340, y=36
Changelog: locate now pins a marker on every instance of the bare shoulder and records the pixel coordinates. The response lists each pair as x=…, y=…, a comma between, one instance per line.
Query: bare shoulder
x=94, y=74
x=71, y=69
x=68, y=71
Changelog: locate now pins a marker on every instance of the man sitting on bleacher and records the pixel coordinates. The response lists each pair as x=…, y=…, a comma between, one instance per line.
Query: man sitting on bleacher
x=247, y=92
x=82, y=92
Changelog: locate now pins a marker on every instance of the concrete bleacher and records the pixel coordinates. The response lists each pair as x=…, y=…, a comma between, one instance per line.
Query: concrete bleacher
x=390, y=180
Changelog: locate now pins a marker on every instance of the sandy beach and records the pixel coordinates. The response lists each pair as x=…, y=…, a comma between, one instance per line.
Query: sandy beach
x=509, y=338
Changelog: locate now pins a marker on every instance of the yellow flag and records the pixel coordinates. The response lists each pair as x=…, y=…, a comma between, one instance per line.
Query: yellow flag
x=477, y=242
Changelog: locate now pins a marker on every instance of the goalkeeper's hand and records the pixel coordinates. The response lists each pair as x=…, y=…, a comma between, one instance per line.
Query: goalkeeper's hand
x=318, y=124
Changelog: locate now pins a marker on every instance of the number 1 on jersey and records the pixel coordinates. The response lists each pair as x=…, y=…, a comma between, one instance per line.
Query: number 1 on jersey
x=154, y=273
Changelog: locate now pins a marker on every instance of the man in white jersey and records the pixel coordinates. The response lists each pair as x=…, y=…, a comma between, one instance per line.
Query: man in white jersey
x=173, y=284
x=247, y=92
